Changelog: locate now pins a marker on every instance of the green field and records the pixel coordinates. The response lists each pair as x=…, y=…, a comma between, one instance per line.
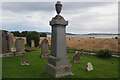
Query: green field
x=103, y=68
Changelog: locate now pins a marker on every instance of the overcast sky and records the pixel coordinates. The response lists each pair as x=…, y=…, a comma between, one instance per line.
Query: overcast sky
x=83, y=17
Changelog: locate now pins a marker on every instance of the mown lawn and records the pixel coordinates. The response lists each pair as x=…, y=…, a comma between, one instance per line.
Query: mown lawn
x=103, y=68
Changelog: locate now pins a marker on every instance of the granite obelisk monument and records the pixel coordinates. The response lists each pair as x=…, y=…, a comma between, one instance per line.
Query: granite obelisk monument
x=58, y=62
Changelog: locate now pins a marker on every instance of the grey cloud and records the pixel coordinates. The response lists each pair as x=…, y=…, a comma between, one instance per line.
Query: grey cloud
x=47, y=6
x=82, y=5
x=77, y=13
x=27, y=6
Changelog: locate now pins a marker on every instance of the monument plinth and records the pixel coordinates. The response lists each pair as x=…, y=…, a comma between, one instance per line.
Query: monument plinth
x=58, y=62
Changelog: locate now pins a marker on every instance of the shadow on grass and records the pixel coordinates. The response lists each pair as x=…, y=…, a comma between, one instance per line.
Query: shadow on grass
x=45, y=75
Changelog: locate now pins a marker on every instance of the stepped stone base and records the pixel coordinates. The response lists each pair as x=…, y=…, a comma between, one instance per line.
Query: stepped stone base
x=58, y=67
x=58, y=71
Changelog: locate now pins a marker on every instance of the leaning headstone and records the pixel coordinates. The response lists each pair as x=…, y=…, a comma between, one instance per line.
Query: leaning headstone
x=20, y=47
x=76, y=57
x=44, y=48
x=5, y=44
x=32, y=44
x=0, y=43
x=1, y=69
x=11, y=42
x=8, y=47
x=89, y=66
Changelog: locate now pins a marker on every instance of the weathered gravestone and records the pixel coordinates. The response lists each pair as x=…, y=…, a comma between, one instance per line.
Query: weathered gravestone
x=20, y=47
x=76, y=57
x=32, y=44
x=5, y=44
x=8, y=46
x=1, y=54
x=89, y=66
x=11, y=42
x=58, y=64
x=44, y=48
x=0, y=43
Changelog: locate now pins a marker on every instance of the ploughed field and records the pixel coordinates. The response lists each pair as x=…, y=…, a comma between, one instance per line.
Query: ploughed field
x=103, y=68
x=93, y=44
x=90, y=43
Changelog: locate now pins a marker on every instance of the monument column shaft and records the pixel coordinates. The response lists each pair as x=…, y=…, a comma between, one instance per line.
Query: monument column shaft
x=58, y=62
x=58, y=41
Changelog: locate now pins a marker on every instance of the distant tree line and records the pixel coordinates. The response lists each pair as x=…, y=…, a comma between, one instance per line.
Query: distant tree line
x=24, y=34
x=43, y=35
x=19, y=34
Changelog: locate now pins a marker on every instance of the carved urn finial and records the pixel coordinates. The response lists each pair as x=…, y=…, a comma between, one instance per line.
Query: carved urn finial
x=58, y=7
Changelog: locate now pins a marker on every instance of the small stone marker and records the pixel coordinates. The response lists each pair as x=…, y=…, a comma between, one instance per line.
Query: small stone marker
x=44, y=48
x=89, y=66
x=32, y=44
x=25, y=63
x=13, y=49
x=76, y=57
x=32, y=48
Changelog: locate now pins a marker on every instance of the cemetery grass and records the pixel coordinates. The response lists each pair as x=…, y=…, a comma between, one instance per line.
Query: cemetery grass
x=103, y=68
